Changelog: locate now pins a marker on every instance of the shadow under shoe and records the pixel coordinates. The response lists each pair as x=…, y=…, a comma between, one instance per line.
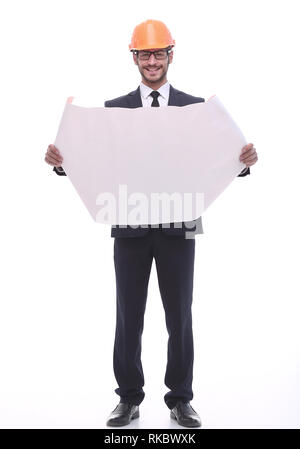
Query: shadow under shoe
x=123, y=414
x=185, y=415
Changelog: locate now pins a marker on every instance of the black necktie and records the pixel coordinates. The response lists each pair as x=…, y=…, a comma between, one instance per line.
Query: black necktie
x=155, y=95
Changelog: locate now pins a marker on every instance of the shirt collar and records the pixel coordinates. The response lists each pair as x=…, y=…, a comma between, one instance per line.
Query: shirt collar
x=163, y=90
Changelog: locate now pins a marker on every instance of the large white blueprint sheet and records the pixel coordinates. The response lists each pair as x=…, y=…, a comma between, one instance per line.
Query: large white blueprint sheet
x=114, y=156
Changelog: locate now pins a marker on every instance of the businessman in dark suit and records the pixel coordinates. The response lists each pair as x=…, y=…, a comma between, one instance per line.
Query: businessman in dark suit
x=134, y=251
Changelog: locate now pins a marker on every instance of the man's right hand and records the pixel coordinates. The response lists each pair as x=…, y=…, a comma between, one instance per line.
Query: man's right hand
x=53, y=156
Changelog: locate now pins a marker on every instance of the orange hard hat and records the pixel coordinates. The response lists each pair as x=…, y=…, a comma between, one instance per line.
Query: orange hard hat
x=151, y=34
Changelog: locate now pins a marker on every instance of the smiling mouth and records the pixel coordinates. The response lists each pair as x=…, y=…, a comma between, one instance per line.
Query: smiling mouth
x=153, y=70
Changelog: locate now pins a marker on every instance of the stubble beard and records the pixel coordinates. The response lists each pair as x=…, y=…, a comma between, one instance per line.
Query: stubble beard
x=151, y=80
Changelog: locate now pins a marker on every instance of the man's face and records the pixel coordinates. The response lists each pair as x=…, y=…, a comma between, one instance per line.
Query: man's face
x=154, y=70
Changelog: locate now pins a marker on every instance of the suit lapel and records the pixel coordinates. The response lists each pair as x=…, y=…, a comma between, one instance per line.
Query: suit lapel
x=174, y=97
x=135, y=101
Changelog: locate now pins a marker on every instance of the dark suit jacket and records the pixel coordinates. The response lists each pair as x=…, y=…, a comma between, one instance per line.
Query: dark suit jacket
x=133, y=100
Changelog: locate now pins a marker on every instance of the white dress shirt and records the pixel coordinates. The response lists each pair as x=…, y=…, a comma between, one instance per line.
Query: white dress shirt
x=163, y=98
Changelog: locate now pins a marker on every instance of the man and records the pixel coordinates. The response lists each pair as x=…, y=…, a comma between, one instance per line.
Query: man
x=135, y=248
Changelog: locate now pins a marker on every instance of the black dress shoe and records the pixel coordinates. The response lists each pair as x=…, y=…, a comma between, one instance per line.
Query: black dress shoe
x=185, y=415
x=123, y=414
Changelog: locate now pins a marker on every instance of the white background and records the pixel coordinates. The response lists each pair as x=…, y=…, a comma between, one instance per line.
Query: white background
x=57, y=312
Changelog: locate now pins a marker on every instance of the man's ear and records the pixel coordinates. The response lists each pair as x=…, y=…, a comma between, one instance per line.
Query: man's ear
x=134, y=58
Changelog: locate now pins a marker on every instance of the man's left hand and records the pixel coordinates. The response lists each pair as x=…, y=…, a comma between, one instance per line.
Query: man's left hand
x=248, y=155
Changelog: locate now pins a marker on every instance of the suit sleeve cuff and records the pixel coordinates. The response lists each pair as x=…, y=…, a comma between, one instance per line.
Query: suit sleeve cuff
x=245, y=172
x=59, y=171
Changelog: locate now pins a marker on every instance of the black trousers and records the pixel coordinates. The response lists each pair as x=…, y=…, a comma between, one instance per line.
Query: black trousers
x=174, y=258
